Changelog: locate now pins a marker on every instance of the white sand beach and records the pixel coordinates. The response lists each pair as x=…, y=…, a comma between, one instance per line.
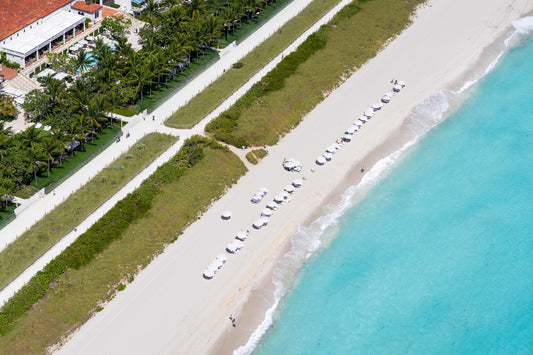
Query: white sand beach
x=170, y=308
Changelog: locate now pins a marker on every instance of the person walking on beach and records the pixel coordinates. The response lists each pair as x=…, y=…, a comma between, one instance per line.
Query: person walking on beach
x=153, y=118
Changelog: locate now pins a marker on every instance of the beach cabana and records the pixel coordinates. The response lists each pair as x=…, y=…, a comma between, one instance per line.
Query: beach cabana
x=297, y=182
x=292, y=165
x=226, y=215
x=209, y=274
x=289, y=188
x=332, y=149
x=347, y=137
x=286, y=195
x=241, y=235
x=327, y=156
x=396, y=88
x=258, y=223
x=377, y=106
x=369, y=113
x=351, y=130
x=264, y=220
x=262, y=190
x=320, y=160
x=272, y=205
x=279, y=198
x=266, y=212
x=362, y=119
x=257, y=198
x=222, y=258
x=386, y=99
x=401, y=83
x=234, y=246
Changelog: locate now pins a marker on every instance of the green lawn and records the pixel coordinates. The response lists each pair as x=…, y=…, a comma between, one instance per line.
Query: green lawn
x=79, y=293
x=351, y=41
x=203, y=103
x=77, y=160
x=29, y=246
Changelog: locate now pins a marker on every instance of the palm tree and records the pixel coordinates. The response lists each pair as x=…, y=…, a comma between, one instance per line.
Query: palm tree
x=5, y=140
x=6, y=187
x=142, y=76
x=61, y=139
x=36, y=157
x=30, y=137
x=49, y=147
x=82, y=61
x=107, y=64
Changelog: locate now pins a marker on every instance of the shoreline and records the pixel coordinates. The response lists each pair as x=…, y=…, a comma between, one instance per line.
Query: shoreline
x=252, y=310
x=178, y=311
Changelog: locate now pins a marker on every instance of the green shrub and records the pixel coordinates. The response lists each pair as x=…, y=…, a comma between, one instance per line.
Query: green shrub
x=115, y=6
x=237, y=65
x=251, y=158
x=121, y=287
x=99, y=309
x=260, y=153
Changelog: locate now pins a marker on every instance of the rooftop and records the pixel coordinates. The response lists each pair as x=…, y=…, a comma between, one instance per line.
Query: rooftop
x=15, y=15
x=86, y=7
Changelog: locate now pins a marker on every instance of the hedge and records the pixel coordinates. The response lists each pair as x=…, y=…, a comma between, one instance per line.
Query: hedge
x=107, y=229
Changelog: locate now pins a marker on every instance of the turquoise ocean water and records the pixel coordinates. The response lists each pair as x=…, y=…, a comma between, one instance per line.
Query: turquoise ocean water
x=438, y=257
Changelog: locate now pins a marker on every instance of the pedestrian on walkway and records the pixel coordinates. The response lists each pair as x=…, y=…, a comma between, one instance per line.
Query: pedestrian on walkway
x=153, y=118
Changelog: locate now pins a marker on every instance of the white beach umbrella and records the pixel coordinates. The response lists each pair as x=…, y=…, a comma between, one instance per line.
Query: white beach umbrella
x=215, y=265
x=297, y=182
x=272, y=205
x=286, y=195
x=263, y=190
x=238, y=244
x=279, y=198
x=223, y=258
x=401, y=83
x=396, y=88
x=231, y=248
x=351, y=130
x=331, y=149
x=209, y=274
x=264, y=220
x=289, y=188
x=363, y=119
x=226, y=214
x=347, y=137
x=327, y=156
x=320, y=160
x=257, y=198
x=241, y=235
x=377, y=106
x=369, y=113
x=385, y=99
x=258, y=223
x=266, y=212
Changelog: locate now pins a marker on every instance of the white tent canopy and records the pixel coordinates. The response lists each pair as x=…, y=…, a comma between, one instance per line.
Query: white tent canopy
x=347, y=137
x=297, y=182
x=258, y=223
x=377, y=106
x=292, y=165
x=257, y=198
x=289, y=188
x=369, y=113
x=241, y=235
x=266, y=212
x=320, y=160
x=272, y=205
x=328, y=156
x=279, y=198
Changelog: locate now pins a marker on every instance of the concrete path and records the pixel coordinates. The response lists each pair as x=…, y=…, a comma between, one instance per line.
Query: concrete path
x=139, y=127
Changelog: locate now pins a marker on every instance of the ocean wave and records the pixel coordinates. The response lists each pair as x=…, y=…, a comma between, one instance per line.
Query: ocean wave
x=429, y=113
x=522, y=33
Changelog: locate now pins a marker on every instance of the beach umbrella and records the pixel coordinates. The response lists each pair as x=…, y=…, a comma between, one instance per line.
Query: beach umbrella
x=231, y=248
x=279, y=198
x=396, y=88
x=238, y=244
x=258, y=223
x=286, y=195
x=327, y=156
x=226, y=214
x=320, y=160
x=297, y=182
x=369, y=113
x=266, y=212
x=263, y=190
x=257, y=198
x=331, y=149
x=351, y=130
x=401, y=83
x=289, y=188
x=241, y=235
x=264, y=220
x=377, y=106
x=223, y=258
x=215, y=265
x=363, y=119
x=209, y=274
x=272, y=205
x=385, y=99
x=347, y=137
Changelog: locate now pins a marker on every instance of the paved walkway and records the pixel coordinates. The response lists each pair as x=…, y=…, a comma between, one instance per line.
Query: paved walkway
x=139, y=127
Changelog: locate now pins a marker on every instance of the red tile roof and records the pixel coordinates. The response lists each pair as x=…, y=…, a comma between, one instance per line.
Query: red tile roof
x=82, y=6
x=15, y=15
x=8, y=73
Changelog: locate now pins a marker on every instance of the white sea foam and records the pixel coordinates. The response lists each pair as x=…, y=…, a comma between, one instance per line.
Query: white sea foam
x=429, y=113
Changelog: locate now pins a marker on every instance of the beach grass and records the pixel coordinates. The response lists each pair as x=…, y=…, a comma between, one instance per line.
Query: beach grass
x=79, y=293
x=212, y=96
x=352, y=38
x=62, y=219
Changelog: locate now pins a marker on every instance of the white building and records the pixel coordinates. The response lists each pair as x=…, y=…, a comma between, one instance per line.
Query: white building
x=29, y=29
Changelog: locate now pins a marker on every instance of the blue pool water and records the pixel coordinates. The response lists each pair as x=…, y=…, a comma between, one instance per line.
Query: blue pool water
x=438, y=257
